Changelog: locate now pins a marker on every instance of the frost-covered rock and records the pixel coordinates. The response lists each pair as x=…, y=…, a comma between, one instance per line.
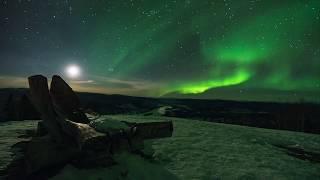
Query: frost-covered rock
x=107, y=124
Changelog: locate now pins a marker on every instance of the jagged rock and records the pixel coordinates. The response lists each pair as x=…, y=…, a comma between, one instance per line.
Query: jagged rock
x=59, y=128
x=41, y=99
x=41, y=130
x=66, y=101
x=151, y=130
x=69, y=139
x=42, y=153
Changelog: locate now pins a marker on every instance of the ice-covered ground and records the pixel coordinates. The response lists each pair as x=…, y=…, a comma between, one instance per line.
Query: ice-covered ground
x=202, y=150
x=10, y=133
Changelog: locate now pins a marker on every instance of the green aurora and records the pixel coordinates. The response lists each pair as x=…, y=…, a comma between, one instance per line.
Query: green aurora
x=155, y=48
x=263, y=39
x=256, y=42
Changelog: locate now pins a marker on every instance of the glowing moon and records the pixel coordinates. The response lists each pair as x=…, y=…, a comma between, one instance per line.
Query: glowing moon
x=73, y=71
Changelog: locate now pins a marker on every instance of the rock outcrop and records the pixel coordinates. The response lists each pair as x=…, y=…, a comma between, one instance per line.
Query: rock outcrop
x=65, y=136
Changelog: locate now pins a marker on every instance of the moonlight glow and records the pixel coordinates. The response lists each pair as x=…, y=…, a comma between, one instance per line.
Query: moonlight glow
x=73, y=71
x=247, y=50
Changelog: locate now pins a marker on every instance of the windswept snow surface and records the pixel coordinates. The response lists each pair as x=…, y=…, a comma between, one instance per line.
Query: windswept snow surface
x=205, y=150
x=197, y=150
x=10, y=133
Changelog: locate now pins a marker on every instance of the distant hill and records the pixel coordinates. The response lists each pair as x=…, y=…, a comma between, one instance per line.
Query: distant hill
x=289, y=116
x=239, y=93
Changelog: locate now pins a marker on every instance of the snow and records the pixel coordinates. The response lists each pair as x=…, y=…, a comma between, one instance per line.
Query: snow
x=108, y=124
x=204, y=150
x=129, y=167
x=197, y=150
x=9, y=132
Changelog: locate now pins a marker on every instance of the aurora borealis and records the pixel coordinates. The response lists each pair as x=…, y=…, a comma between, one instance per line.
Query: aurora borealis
x=250, y=49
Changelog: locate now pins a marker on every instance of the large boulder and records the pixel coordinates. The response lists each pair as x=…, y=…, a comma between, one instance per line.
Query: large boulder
x=65, y=138
x=66, y=101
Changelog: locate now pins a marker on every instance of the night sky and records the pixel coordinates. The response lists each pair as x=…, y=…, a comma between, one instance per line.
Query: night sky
x=266, y=50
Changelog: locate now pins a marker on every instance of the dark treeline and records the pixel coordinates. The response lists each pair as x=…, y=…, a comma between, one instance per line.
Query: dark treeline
x=298, y=116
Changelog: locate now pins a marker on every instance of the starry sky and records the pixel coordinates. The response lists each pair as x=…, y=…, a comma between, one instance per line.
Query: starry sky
x=264, y=50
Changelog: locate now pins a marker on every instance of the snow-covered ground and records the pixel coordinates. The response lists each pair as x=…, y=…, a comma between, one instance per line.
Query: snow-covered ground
x=201, y=150
x=204, y=150
x=10, y=133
